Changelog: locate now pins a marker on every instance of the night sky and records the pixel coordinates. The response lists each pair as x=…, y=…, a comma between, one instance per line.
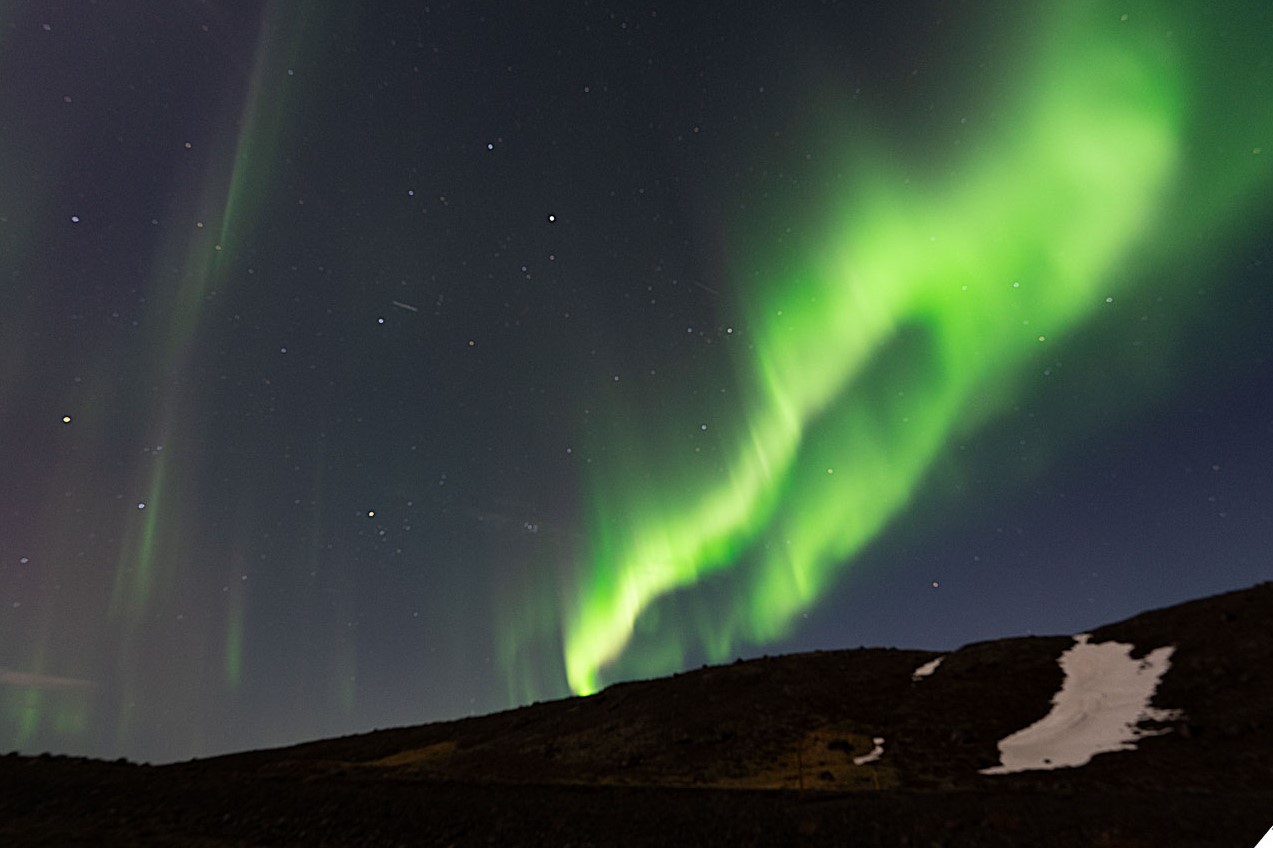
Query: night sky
x=368, y=364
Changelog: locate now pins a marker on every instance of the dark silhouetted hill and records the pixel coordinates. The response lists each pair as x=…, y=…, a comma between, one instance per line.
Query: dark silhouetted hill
x=768, y=751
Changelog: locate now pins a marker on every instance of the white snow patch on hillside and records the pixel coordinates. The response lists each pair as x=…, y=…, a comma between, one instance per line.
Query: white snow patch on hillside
x=926, y=669
x=1103, y=698
x=875, y=754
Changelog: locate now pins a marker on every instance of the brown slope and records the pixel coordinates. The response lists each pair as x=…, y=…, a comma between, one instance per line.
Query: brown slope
x=799, y=720
x=614, y=769
x=748, y=724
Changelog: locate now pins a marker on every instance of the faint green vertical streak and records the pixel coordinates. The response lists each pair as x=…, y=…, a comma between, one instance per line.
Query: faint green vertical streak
x=135, y=574
x=72, y=715
x=252, y=151
x=23, y=705
x=234, y=641
x=274, y=94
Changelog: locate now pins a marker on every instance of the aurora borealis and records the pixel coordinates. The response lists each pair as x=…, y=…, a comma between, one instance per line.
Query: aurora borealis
x=376, y=365
x=913, y=321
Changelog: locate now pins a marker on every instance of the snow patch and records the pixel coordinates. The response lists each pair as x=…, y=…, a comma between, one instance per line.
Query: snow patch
x=926, y=669
x=1103, y=698
x=875, y=754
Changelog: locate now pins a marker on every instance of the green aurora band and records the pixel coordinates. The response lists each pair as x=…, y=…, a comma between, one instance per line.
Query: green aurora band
x=1122, y=155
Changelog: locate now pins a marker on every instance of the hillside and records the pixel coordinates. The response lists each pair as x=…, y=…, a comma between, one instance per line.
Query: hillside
x=830, y=748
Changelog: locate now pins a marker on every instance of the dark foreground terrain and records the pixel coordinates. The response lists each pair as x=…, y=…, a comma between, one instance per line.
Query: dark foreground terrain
x=755, y=753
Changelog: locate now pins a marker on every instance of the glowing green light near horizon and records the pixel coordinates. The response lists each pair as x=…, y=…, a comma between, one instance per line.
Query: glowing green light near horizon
x=911, y=326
